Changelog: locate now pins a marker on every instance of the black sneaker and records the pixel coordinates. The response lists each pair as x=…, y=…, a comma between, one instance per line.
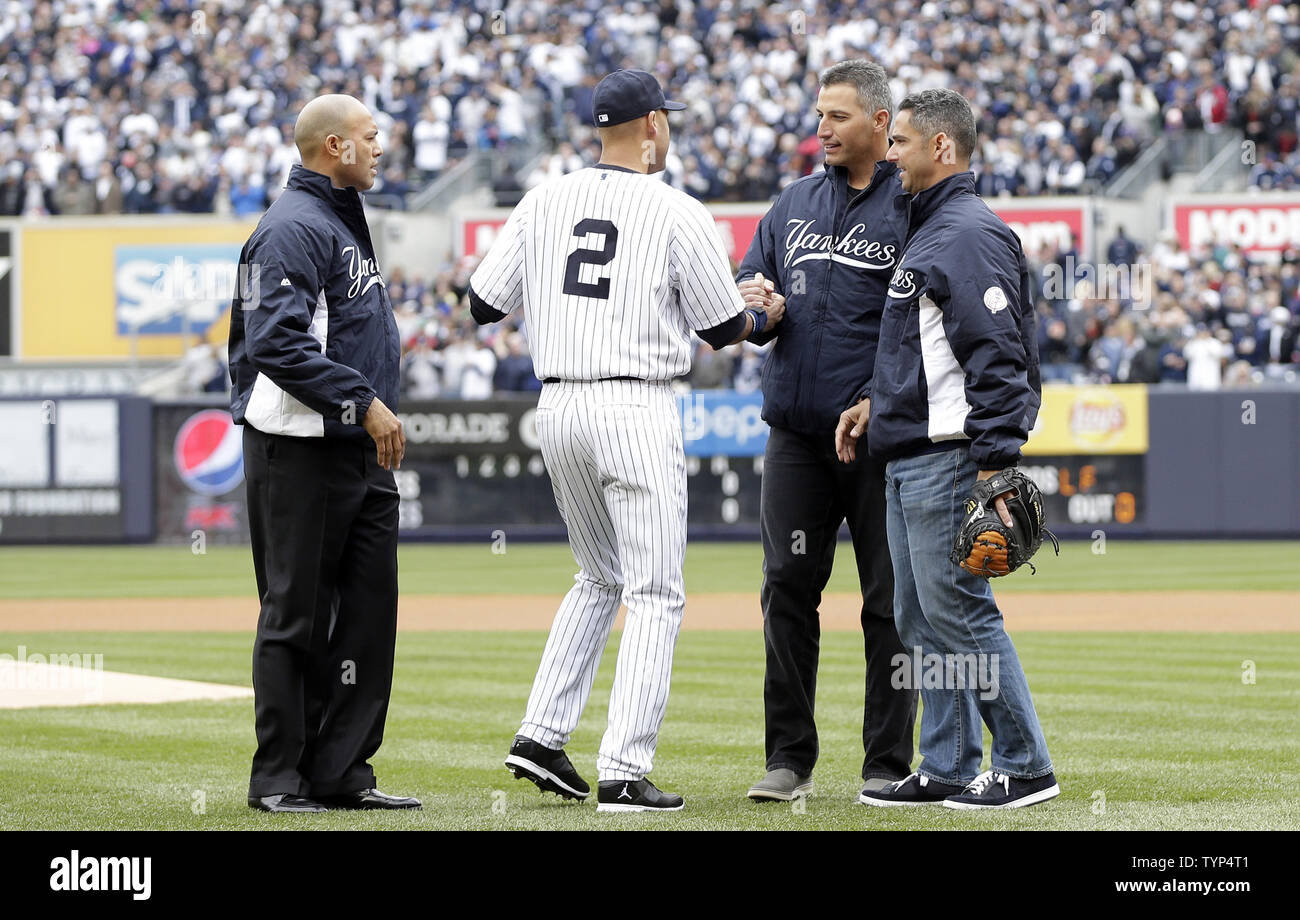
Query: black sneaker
x=913, y=789
x=548, y=768
x=998, y=790
x=635, y=795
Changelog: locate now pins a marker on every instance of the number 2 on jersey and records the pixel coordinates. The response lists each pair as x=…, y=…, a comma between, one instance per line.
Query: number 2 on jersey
x=583, y=256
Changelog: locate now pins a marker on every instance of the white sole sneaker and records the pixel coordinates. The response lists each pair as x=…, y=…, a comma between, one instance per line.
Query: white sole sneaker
x=612, y=808
x=514, y=762
x=880, y=803
x=1042, y=795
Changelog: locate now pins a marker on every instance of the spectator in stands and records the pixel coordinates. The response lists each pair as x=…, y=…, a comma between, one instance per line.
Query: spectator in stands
x=747, y=371
x=108, y=190
x=1065, y=172
x=1277, y=339
x=1122, y=250
x=1102, y=165
x=1238, y=375
x=247, y=197
x=74, y=196
x=1056, y=356
x=141, y=195
x=91, y=83
x=514, y=371
x=430, y=136
x=1173, y=366
x=712, y=370
x=1205, y=356
x=37, y=200
x=13, y=192
x=468, y=366
x=422, y=372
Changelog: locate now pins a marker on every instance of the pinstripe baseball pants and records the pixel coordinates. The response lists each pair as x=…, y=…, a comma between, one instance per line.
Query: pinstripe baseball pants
x=613, y=449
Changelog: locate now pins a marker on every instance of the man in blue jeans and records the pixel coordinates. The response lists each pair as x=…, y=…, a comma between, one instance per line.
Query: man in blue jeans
x=955, y=393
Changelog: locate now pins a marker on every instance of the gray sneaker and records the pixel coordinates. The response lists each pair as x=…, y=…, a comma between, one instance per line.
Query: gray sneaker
x=781, y=786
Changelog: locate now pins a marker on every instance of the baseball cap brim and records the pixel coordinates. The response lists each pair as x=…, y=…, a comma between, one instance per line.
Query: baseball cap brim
x=674, y=106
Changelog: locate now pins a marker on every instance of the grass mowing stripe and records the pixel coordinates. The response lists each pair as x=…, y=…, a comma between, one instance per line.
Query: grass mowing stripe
x=1142, y=728
x=532, y=568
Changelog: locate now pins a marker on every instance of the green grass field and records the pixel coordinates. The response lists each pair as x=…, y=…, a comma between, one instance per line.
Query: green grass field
x=1147, y=730
x=547, y=568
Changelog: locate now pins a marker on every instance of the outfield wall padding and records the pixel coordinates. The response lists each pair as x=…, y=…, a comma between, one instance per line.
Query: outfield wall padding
x=1223, y=464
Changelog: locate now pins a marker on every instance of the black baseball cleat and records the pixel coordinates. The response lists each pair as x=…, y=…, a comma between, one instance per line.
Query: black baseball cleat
x=635, y=795
x=548, y=768
x=368, y=800
x=285, y=803
x=998, y=790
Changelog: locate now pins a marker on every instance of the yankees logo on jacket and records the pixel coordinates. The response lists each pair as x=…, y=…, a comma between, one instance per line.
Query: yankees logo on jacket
x=312, y=328
x=958, y=355
x=825, y=347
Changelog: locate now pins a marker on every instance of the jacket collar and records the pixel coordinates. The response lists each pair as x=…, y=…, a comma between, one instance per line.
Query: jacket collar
x=925, y=203
x=345, y=202
x=318, y=184
x=884, y=170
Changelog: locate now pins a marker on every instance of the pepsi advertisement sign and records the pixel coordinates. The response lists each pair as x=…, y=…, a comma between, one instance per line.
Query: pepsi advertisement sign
x=722, y=423
x=200, y=475
x=209, y=452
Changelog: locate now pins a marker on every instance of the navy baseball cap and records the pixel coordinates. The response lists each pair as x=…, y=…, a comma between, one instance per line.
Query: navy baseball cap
x=627, y=94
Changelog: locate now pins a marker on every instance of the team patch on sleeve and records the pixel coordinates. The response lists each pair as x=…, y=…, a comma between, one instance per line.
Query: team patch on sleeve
x=995, y=299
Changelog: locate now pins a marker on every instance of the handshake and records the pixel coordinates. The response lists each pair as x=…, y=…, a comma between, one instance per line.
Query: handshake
x=760, y=294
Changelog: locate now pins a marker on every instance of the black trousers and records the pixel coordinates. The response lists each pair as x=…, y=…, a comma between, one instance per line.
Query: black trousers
x=806, y=494
x=323, y=518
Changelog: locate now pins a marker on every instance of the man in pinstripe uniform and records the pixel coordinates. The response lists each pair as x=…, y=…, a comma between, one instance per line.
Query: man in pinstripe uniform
x=613, y=270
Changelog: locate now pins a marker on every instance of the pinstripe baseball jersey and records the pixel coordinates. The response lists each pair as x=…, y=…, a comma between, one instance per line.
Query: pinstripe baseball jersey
x=613, y=270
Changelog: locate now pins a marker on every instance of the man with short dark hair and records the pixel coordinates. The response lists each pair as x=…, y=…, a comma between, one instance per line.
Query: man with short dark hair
x=829, y=244
x=955, y=393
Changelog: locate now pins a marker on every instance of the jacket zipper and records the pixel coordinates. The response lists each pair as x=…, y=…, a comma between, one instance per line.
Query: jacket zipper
x=819, y=316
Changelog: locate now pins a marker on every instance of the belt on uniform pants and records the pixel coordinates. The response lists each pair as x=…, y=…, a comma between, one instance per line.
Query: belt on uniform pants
x=598, y=380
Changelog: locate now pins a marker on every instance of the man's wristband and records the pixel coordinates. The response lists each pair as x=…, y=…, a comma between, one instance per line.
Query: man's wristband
x=760, y=320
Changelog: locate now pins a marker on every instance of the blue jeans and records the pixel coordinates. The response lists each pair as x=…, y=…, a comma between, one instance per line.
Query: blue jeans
x=949, y=615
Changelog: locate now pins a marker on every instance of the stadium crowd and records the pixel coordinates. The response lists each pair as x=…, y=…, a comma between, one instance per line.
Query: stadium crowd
x=1209, y=319
x=131, y=106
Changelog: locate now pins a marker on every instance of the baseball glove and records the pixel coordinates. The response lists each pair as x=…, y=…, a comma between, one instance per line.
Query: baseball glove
x=988, y=548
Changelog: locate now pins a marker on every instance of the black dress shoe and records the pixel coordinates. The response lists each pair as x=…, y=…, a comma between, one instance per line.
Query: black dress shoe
x=368, y=799
x=285, y=802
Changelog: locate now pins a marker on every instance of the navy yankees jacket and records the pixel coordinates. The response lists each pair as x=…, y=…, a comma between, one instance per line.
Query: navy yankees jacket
x=312, y=334
x=832, y=258
x=958, y=358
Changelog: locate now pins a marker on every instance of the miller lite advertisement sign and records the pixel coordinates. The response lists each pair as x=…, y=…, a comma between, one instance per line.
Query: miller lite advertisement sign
x=200, y=482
